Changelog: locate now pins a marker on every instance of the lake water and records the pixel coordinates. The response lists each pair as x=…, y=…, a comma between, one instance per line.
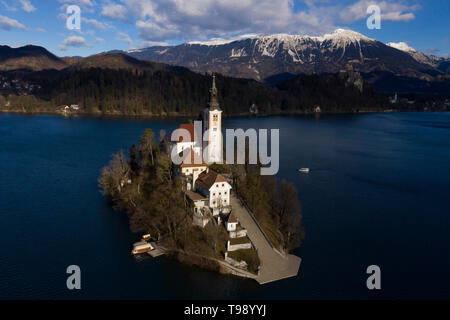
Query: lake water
x=378, y=193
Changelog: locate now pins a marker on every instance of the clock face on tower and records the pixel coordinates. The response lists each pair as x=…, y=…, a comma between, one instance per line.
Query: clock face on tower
x=215, y=120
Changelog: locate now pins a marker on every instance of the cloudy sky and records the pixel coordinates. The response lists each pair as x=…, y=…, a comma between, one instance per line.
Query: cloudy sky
x=129, y=24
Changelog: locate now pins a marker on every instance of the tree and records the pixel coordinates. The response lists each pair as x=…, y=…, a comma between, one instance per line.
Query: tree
x=113, y=175
x=2, y=101
x=289, y=215
x=133, y=159
x=148, y=148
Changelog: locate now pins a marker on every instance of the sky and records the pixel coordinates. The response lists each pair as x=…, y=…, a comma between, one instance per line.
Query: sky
x=132, y=24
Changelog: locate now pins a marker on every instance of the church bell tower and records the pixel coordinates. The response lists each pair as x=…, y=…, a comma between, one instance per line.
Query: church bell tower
x=213, y=127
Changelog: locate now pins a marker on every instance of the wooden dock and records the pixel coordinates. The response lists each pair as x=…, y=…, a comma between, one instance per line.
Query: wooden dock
x=158, y=251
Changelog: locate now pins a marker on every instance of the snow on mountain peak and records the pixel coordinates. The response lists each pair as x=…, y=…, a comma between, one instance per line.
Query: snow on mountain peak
x=341, y=34
x=403, y=46
x=338, y=35
x=221, y=41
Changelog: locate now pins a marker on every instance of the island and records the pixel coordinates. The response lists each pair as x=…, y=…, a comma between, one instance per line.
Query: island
x=223, y=217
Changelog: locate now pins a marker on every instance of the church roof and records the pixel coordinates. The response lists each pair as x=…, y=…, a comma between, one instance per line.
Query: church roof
x=195, y=160
x=214, y=101
x=206, y=180
x=189, y=127
x=194, y=196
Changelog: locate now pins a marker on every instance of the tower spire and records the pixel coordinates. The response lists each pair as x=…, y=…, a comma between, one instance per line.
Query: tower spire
x=214, y=101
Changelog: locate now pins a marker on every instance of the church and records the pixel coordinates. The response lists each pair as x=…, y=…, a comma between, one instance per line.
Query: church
x=207, y=190
x=212, y=127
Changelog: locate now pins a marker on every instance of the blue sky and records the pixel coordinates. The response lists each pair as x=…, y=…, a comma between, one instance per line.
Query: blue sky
x=128, y=24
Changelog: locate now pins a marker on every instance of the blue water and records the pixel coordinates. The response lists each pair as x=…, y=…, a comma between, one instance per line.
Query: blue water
x=378, y=193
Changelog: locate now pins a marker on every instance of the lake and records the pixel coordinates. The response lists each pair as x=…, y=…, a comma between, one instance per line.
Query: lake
x=378, y=194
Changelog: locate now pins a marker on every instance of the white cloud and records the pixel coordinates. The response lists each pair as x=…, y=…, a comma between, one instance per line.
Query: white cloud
x=403, y=46
x=10, y=24
x=8, y=7
x=398, y=16
x=95, y=23
x=74, y=41
x=27, y=6
x=122, y=36
x=160, y=20
x=84, y=3
x=393, y=11
x=146, y=44
x=114, y=11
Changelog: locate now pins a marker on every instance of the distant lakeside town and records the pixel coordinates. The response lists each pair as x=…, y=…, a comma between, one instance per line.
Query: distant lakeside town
x=224, y=217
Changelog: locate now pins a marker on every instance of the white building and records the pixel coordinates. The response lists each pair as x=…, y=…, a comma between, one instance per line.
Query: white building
x=216, y=188
x=232, y=222
x=201, y=214
x=193, y=167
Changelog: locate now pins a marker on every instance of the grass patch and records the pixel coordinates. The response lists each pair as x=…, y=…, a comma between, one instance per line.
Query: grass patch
x=241, y=240
x=271, y=233
x=248, y=255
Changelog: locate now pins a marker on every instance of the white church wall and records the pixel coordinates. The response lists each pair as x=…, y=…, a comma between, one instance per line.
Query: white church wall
x=234, y=247
x=238, y=233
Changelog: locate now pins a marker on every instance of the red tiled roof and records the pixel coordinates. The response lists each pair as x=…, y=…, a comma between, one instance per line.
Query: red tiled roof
x=190, y=128
x=206, y=180
x=194, y=196
x=232, y=218
x=195, y=161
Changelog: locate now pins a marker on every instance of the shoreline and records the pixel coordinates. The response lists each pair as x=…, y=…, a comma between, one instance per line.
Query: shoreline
x=189, y=116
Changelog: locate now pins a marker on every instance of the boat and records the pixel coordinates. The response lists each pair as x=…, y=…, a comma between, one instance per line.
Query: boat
x=141, y=247
x=145, y=237
x=304, y=170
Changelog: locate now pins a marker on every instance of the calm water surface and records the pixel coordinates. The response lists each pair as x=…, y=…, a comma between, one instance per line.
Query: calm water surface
x=378, y=193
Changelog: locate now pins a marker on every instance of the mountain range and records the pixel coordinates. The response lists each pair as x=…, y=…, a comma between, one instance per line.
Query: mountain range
x=263, y=57
x=270, y=59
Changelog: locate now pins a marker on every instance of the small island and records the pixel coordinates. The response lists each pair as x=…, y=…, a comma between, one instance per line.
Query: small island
x=222, y=217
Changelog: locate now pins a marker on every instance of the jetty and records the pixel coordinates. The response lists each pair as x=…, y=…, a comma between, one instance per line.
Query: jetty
x=274, y=265
x=157, y=251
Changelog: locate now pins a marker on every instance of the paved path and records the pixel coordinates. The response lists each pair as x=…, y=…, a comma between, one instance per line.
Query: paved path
x=274, y=266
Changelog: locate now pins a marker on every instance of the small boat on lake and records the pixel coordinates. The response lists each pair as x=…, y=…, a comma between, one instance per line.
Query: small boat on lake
x=141, y=247
x=304, y=170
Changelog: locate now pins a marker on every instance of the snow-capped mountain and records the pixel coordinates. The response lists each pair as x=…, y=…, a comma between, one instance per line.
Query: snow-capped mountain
x=417, y=55
x=261, y=57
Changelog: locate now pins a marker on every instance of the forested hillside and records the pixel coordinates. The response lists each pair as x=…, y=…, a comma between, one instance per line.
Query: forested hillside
x=178, y=91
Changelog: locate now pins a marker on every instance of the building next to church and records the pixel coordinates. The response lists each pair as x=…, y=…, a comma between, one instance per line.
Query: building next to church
x=216, y=188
